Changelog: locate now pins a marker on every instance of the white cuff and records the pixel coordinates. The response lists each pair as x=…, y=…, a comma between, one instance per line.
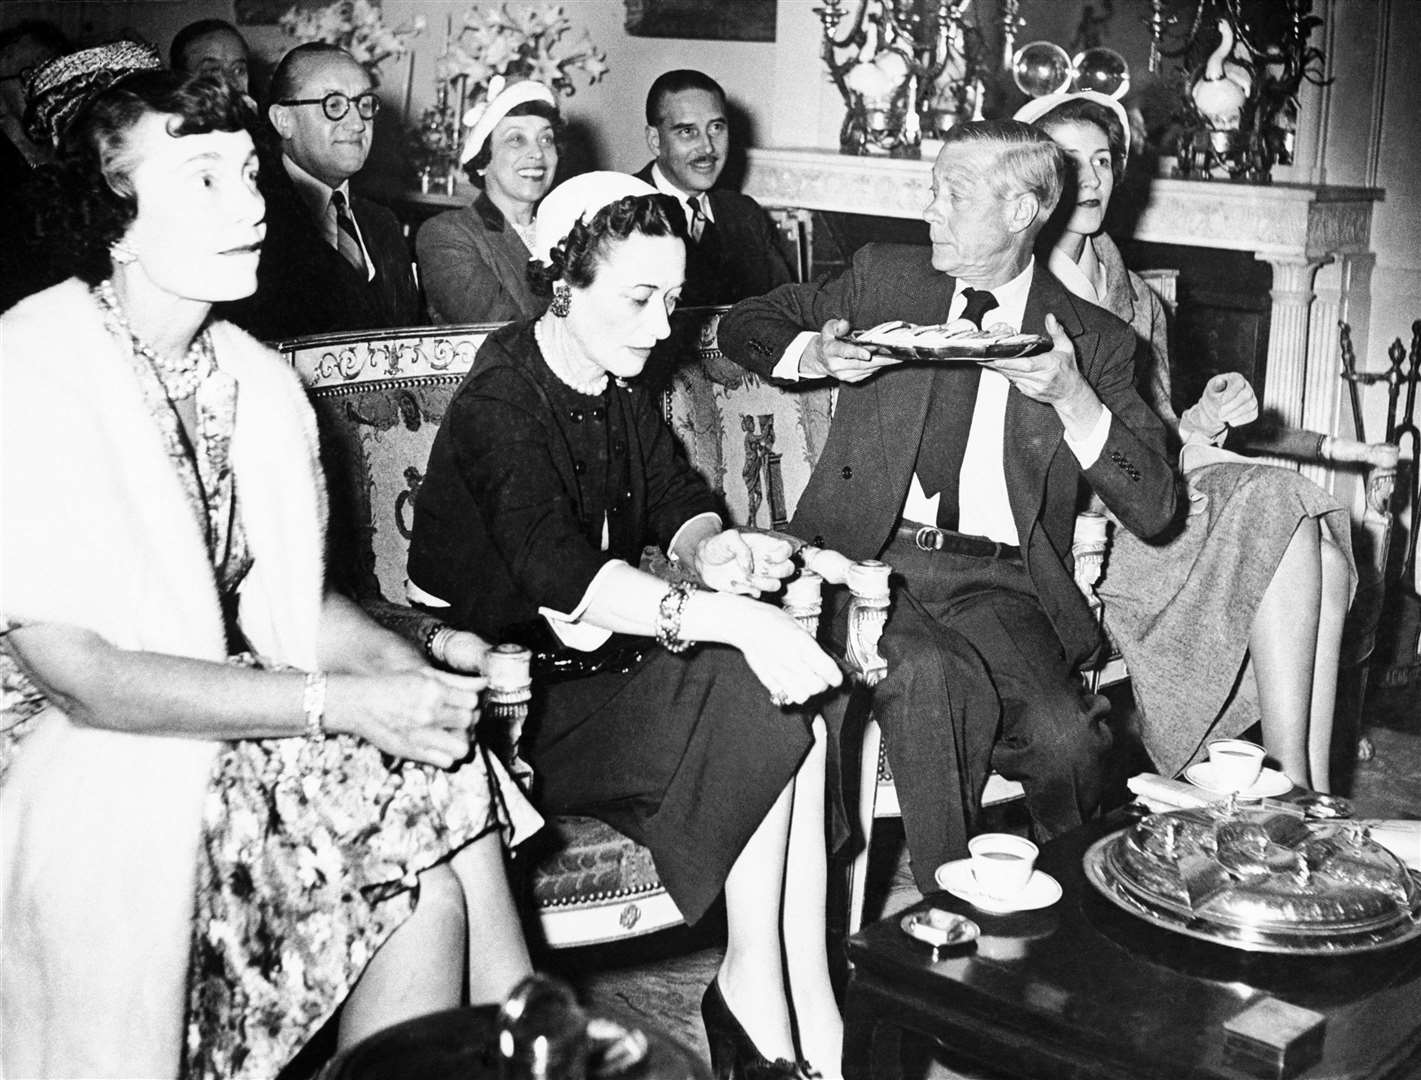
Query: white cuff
x=1088, y=449
x=787, y=368
x=675, y=540
x=568, y=625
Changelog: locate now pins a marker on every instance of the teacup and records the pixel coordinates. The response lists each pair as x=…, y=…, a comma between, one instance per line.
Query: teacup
x=1002, y=864
x=1235, y=763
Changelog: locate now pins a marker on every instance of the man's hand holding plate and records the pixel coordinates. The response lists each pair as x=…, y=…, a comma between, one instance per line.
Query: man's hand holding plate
x=1053, y=378
x=829, y=357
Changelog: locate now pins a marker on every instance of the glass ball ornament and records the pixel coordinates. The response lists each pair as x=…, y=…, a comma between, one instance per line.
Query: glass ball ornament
x=1102, y=70
x=1041, y=68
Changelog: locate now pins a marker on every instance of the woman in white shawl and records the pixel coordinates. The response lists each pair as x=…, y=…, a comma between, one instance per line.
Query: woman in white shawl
x=163, y=513
x=1238, y=618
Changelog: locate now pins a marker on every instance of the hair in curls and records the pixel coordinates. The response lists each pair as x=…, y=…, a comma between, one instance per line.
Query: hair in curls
x=86, y=201
x=584, y=249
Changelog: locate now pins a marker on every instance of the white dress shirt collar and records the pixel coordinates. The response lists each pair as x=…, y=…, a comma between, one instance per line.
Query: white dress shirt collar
x=662, y=184
x=316, y=197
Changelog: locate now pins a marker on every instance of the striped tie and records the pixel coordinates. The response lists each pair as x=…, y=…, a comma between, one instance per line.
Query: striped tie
x=347, y=239
x=698, y=217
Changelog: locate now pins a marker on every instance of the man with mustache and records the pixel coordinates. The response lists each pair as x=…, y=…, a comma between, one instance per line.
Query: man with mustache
x=332, y=260
x=732, y=253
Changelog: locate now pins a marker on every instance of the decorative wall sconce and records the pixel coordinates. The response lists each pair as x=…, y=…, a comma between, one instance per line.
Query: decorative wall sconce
x=1241, y=109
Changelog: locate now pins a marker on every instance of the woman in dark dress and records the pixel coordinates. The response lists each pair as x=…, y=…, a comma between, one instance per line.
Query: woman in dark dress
x=551, y=471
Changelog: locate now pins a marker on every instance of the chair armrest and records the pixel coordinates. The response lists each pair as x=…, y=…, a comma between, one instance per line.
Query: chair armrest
x=867, y=581
x=1088, y=548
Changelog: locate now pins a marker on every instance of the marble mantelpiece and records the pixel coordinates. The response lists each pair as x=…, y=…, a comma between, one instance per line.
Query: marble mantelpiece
x=1295, y=228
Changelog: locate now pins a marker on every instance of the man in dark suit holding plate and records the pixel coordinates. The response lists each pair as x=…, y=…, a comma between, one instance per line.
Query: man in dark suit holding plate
x=965, y=478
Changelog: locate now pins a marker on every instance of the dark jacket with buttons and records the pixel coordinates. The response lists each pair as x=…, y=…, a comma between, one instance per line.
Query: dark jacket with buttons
x=509, y=517
x=855, y=495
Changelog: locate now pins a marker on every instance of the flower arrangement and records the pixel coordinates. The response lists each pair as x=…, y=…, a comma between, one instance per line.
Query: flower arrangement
x=357, y=26
x=519, y=44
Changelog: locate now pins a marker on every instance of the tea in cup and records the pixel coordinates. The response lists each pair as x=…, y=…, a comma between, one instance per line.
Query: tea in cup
x=1235, y=763
x=1002, y=864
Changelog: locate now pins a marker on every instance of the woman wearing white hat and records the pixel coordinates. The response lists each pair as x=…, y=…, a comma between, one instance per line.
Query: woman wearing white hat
x=1238, y=618
x=473, y=262
x=673, y=712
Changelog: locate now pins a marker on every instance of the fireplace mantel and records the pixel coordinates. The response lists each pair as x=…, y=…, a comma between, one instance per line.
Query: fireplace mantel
x=1295, y=228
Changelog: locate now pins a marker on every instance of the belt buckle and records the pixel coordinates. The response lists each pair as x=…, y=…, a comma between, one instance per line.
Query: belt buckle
x=928, y=538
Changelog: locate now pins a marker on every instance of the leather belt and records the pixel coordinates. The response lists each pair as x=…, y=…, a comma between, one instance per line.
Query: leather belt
x=931, y=538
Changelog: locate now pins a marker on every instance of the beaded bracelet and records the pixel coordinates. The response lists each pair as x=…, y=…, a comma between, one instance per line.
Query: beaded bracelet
x=436, y=642
x=313, y=704
x=668, y=617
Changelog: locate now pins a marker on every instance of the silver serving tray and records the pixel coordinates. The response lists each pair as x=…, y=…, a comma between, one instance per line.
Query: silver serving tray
x=973, y=351
x=1275, y=911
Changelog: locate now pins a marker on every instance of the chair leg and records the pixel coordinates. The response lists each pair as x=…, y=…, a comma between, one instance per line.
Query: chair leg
x=868, y=798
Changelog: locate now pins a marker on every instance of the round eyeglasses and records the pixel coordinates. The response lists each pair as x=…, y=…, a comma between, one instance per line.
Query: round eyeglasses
x=335, y=104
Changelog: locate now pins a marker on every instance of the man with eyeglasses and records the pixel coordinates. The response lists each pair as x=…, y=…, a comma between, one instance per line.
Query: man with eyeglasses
x=332, y=260
x=732, y=252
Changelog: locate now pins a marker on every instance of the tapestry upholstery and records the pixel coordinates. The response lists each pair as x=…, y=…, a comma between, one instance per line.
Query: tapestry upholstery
x=379, y=399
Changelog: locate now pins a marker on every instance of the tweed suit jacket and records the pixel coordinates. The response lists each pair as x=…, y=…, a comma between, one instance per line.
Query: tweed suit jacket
x=749, y=261
x=856, y=492
x=474, y=267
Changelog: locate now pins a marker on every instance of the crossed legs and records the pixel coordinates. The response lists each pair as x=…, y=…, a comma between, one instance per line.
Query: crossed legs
x=465, y=903
x=1294, y=645
x=775, y=901
x=978, y=677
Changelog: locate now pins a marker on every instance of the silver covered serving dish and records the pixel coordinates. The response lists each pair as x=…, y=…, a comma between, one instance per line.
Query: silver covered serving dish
x=1260, y=879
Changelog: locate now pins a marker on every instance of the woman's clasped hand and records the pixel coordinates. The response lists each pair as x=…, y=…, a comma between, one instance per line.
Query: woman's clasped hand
x=742, y=562
x=425, y=715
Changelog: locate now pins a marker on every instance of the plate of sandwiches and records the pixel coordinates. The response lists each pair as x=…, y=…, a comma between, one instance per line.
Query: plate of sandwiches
x=959, y=340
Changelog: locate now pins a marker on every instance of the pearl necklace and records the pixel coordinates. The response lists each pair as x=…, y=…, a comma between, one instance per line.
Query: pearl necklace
x=180, y=378
x=592, y=387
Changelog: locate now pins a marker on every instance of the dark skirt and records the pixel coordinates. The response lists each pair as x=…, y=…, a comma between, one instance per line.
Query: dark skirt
x=683, y=753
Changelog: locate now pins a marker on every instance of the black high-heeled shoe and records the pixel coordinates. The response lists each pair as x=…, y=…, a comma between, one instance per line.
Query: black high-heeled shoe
x=734, y=1055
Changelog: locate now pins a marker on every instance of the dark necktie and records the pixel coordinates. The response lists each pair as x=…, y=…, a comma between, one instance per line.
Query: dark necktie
x=698, y=218
x=949, y=420
x=347, y=239
x=979, y=302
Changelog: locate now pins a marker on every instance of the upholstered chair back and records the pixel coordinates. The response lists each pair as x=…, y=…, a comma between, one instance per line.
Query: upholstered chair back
x=380, y=396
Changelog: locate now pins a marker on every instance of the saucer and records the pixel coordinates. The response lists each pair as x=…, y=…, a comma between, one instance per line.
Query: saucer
x=1270, y=782
x=1042, y=890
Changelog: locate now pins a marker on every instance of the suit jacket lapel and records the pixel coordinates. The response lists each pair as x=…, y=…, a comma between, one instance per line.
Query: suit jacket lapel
x=902, y=399
x=1033, y=431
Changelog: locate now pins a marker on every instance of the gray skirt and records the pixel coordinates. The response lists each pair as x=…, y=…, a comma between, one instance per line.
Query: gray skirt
x=1181, y=611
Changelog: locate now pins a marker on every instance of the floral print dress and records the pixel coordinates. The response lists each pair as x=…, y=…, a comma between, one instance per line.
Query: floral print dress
x=310, y=851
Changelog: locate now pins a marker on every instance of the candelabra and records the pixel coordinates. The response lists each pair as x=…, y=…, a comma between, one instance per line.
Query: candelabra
x=905, y=68
x=1241, y=109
